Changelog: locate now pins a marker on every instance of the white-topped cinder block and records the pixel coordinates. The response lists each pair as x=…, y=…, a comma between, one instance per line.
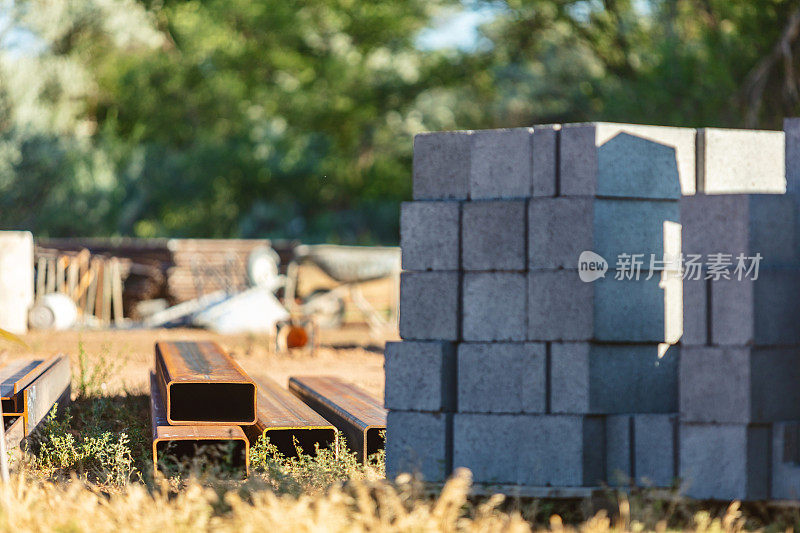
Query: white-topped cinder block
x=740, y=161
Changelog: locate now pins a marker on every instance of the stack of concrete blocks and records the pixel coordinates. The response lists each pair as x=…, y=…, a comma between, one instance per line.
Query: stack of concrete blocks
x=510, y=364
x=513, y=366
x=16, y=280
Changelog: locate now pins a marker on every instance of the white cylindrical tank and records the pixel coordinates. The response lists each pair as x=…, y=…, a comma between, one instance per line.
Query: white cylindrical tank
x=16, y=280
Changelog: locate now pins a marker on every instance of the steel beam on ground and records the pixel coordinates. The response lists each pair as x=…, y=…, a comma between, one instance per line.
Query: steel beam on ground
x=49, y=388
x=288, y=422
x=203, y=385
x=17, y=375
x=185, y=442
x=354, y=412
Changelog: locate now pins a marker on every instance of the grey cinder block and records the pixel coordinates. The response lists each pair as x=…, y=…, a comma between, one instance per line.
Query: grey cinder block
x=531, y=450
x=420, y=376
x=559, y=229
x=418, y=443
x=441, y=165
x=545, y=159
x=641, y=449
x=741, y=224
x=695, y=312
x=619, y=456
x=627, y=160
x=493, y=235
x=429, y=235
x=759, y=312
x=501, y=163
x=632, y=310
x=725, y=462
x=634, y=378
x=562, y=307
x=655, y=449
x=739, y=384
x=429, y=305
x=501, y=378
x=785, y=466
x=613, y=378
x=494, y=306
x=569, y=377
x=740, y=161
x=634, y=227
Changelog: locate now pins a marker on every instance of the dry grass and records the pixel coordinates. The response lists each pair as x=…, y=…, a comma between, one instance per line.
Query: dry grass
x=90, y=469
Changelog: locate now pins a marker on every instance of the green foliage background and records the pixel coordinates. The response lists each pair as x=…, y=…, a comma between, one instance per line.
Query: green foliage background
x=266, y=118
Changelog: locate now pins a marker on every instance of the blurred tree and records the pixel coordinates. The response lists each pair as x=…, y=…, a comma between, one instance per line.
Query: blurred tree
x=295, y=119
x=674, y=62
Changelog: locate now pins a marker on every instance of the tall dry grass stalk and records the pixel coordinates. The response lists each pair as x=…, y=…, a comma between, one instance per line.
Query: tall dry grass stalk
x=30, y=505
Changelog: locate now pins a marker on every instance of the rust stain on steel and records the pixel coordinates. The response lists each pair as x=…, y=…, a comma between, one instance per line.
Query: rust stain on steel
x=164, y=432
x=357, y=414
x=202, y=384
x=285, y=419
x=49, y=388
x=17, y=375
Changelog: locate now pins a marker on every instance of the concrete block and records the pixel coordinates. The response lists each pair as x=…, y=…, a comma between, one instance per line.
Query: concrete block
x=494, y=306
x=739, y=384
x=655, y=449
x=741, y=224
x=559, y=229
x=740, y=161
x=759, y=312
x=501, y=163
x=429, y=305
x=420, y=376
x=531, y=450
x=633, y=378
x=641, y=449
x=501, y=377
x=634, y=227
x=569, y=377
x=441, y=165
x=785, y=467
x=632, y=310
x=613, y=378
x=619, y=455
x=419, y=443
x=695, y=312
x=626, y=160
x=545, y=159
x=429, y=235
x=725, y=462
x=16, y=280
x=560, y=306
x=493, y=235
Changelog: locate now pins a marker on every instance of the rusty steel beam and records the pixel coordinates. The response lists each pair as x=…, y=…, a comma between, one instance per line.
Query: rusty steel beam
x=49, y=388
x=288, y=422
x=359, y=416
x=203, y=385
x=184, y=443
x=17, y=375
x=14, y=432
